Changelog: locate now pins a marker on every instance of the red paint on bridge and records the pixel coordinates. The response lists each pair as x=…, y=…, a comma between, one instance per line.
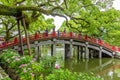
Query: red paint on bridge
x=54, y=34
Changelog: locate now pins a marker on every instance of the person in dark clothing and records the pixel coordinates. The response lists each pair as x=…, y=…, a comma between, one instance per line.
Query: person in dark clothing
x=46, y=32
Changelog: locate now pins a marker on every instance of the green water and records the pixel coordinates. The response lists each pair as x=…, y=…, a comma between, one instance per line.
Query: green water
x=107, y=68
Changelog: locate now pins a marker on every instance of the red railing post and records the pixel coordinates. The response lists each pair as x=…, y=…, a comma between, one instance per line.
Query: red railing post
x=99, y=41
x=71, y=34
x=44, y=35
x=79, y=36
x=63, y=34
x=113, y=48
x=119, y=49
x=53, y=34
x=37, y=35
x=15, y=40
x=86, y=37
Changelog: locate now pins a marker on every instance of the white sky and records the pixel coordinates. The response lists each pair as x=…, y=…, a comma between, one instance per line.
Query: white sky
x=116, y=4
x=57, y=21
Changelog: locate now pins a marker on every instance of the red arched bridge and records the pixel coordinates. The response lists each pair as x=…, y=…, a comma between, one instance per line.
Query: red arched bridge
x=85, y=44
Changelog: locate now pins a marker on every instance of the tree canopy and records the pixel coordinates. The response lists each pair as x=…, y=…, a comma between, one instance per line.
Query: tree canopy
x=93, y=17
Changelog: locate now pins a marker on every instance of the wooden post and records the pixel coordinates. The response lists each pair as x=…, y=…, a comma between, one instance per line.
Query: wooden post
x=68, y=50
x=71, y=48
x=78, y=52
x=20, y=39
x=87, y=51
x=27, y=37
x=81, y=52
x=113, y=54
x=64, y=51
x=100, y=62
x=100, y=52
x=92, y=52
x=53, y=47
x=37, y=51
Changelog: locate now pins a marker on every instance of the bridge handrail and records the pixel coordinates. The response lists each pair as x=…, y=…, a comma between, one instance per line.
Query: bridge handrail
x=54, y=34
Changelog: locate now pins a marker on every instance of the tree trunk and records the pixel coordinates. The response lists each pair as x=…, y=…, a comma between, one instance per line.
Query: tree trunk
x=7, y=36
x=26, y=35
x=20, y=38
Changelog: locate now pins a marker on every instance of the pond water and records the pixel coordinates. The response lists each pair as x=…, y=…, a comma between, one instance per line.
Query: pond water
x=107, y=68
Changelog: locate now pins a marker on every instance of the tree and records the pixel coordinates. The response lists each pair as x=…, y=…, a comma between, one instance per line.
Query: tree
x=7, y=26
x=81, y=15
x=96, y=20
x=17, y=12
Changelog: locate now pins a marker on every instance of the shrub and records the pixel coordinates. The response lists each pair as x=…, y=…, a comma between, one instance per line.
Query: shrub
x=28, y=69
x=60, y=74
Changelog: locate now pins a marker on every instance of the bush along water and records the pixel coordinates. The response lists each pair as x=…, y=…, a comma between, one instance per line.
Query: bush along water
x=28, y=69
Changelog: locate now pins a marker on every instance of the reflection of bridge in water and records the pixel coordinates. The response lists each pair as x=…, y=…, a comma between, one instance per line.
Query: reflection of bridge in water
x=107, y=68
x=88, y=65
x=85, y=45
x=112, y=72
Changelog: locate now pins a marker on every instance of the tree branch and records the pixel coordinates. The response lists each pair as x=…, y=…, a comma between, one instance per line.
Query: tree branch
x=65, y=4
x=15, y=35
x=19, y=2
x=80, y=19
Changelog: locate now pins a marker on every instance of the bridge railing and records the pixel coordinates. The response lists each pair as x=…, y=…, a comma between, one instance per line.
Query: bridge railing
x=54, y=34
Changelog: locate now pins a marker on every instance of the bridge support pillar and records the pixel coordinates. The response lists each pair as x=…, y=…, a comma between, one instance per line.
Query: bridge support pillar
x=100, y=62
x=87, y=51
x=82, y=52
x=37, y=51
x=113, y=54
x=64, y=51
x=78, y=52
x=71, y=48
x=68, y=50
x=91, y=53
x=53, y=47
x=100, y=52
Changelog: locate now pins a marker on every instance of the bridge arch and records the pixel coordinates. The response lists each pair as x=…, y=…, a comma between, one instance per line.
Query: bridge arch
x=68, y=39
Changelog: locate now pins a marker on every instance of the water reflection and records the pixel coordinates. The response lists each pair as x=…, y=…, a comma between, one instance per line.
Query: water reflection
x=107, y=68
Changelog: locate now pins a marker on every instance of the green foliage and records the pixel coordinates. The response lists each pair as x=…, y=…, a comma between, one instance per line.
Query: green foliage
x=7, y=54
x=66, y=74
x=41, y=24
x=7, y=78
x=48, y=63
x=86, y=16
x=94, y=20
x=28, y=69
